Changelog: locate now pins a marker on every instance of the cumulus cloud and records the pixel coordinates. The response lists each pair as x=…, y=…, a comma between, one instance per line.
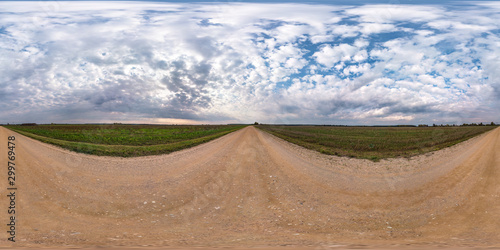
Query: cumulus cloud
x=156, y=62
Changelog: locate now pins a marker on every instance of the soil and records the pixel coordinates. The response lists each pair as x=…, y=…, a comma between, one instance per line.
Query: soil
x=249, y=189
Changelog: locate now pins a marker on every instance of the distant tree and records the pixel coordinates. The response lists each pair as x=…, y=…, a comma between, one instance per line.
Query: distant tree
x=492, y=124
x=255, y=123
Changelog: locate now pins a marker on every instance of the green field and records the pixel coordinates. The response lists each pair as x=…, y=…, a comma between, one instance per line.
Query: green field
x=125, y=140
x=374, y=143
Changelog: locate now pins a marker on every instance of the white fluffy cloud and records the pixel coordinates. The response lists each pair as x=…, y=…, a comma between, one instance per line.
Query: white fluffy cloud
x=243, y=62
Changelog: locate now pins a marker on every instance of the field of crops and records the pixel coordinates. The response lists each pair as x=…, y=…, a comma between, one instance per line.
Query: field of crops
x=374, y=142
x=125, y=140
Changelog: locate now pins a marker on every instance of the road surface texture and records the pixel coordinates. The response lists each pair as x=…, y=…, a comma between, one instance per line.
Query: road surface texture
x=250, y=189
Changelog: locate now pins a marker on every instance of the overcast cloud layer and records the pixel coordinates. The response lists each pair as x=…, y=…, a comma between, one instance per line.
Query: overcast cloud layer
x=242, y=62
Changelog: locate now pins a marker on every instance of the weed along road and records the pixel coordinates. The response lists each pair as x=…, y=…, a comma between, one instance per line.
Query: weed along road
x=249, y=188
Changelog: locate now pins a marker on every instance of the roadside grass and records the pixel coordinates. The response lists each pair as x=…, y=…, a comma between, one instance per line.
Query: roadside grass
x=125, y=140
x=374, y=143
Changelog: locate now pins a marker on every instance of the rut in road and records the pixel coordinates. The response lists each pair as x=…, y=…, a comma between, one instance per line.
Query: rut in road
x=250, y=188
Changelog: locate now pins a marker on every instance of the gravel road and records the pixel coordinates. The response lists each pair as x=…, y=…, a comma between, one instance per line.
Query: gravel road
x=250, y=189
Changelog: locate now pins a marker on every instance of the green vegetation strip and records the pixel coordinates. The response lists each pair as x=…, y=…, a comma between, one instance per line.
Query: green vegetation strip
x=374, y=143
x=125, y=140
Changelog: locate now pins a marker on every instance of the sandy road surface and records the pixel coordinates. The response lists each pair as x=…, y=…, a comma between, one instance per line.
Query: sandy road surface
x=249, y=188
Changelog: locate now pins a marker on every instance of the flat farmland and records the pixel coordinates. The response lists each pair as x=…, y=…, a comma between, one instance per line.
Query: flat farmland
x=250, y=189
x=374, y=143
x=125, y=140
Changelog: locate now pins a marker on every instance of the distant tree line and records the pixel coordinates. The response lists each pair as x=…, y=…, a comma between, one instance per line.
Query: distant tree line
x=405, y=125
x=465, y=124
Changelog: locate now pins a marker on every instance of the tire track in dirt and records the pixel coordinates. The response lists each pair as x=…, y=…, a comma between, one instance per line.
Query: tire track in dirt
x=250, y=188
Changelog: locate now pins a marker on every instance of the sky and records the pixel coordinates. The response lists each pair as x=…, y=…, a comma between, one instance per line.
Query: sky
x=287, y=62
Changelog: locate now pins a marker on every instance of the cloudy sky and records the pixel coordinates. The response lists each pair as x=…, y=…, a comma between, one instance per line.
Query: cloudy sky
x=383, y=62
